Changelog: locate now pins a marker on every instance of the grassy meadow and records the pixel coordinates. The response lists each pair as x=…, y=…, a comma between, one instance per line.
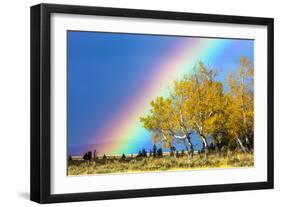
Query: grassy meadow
x=133, y=164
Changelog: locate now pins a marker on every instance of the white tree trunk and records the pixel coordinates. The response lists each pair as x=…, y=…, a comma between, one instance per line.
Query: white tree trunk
x=205, y=146
x=241, y=145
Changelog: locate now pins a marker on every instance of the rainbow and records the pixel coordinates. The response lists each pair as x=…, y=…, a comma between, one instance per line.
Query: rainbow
x=125, y=131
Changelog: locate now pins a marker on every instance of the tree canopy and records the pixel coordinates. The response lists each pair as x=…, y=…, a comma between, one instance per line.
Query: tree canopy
x=201, y=104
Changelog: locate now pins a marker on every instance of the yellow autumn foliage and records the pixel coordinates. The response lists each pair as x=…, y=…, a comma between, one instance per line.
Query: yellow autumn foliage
x=204, y=105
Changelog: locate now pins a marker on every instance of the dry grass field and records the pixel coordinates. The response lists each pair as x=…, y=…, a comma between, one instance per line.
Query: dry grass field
x=156, y=164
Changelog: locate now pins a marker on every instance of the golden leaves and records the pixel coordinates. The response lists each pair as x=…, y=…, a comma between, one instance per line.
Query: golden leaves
x=200, y=103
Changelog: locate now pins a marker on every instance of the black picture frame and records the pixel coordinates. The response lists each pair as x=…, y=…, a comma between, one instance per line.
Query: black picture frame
x=41, y=99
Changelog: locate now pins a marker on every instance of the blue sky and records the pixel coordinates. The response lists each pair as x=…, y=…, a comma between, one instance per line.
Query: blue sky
x=105, y=70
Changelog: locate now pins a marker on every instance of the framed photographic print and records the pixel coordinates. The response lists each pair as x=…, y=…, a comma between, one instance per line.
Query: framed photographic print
x=132, y=103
